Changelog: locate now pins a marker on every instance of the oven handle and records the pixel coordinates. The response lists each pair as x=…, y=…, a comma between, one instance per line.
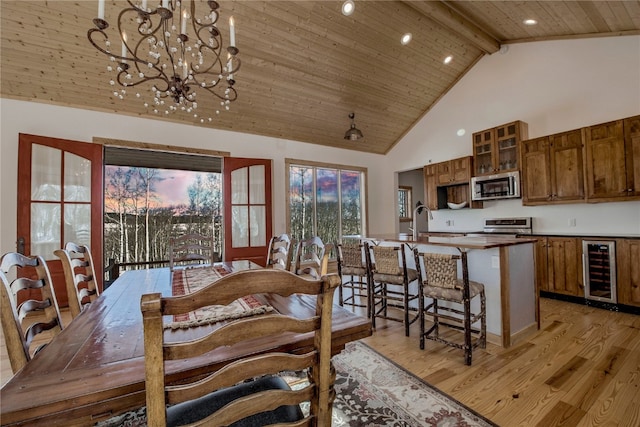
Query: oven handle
x=585, y=281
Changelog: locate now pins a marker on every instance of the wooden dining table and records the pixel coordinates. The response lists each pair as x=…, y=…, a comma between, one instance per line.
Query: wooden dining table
x=94, y=369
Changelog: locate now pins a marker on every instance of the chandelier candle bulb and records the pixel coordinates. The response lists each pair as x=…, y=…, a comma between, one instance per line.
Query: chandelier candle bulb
x=184, y=22
x=165, y=4
x=232, y=32
x=101, y=9
x=144, y=5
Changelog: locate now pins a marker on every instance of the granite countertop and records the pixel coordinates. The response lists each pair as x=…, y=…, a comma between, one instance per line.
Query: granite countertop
x=475, y=242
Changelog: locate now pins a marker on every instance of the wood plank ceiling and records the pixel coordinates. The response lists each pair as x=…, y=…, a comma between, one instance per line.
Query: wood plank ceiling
x=305, y=66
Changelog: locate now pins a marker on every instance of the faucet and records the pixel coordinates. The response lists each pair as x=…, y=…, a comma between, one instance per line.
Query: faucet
x=416, y=212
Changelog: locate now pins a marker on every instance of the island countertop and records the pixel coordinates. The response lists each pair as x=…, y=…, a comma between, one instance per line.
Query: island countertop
x=466, y=242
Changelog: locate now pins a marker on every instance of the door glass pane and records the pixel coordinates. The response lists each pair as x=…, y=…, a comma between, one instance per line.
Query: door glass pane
x=258, y=225
x=239, y=227
x=45, y=229
x=77, y=224
x=239, y=185
x=45, y=173
x=77, y=178
x=327, y=208
x=257, y=187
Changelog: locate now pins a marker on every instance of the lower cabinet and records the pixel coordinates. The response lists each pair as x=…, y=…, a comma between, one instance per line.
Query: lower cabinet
x=628, y=265
x=559, y=265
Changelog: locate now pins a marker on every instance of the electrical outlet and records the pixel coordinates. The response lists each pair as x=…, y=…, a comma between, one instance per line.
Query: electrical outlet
x=450, y=223
x=572, y=222
x=495, y=261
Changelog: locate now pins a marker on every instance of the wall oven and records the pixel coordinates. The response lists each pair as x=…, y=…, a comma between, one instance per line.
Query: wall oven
x=499, y=186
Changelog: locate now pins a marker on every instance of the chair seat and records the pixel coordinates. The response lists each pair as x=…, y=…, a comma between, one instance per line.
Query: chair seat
x=452, y=294
x=195, y=410
x=394, y=279
x=354, y=271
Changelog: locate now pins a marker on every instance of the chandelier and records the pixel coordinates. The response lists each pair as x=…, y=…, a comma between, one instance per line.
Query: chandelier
x=175, y=53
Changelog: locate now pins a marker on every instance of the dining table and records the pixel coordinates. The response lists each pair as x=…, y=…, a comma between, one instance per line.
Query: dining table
x=94, y=369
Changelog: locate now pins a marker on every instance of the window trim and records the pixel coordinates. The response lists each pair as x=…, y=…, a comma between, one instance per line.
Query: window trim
x=288, y=162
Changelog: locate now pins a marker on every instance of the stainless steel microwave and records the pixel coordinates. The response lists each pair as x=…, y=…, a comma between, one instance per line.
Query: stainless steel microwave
x=499, y=186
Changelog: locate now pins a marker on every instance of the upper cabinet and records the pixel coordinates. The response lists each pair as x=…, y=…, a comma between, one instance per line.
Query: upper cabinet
x=612, y=160
x=496, y=150
x=552, y=169
x=449, y=182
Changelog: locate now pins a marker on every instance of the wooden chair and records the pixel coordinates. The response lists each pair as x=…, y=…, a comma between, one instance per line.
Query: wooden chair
x=312, y=258
x=22, y=321
x=278, y=255
x=390, y=280
x=77, y=264
x=232, y=393
x=352, y=269
x=191, y=249
x=441, y=283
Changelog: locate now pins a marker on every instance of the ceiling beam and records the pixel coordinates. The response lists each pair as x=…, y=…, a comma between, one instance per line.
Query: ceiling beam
x=440, y=13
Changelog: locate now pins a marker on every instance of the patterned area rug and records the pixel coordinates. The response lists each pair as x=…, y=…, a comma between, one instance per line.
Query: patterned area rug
x=185, y=281
x=372, y=390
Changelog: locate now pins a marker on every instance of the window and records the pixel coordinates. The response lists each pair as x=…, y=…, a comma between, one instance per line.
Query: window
x=404, y=203
x=325, y=200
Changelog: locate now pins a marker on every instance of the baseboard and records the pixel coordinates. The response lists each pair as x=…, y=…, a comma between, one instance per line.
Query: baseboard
x=524, y=334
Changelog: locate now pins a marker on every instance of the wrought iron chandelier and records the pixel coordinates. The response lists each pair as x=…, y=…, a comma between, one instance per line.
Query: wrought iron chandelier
x=171, y=49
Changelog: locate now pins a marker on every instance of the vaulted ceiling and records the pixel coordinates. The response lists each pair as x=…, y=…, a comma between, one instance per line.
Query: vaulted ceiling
x=305, y=66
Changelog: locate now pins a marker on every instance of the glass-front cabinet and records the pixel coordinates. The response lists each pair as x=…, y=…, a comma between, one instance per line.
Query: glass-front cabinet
x=495, y=150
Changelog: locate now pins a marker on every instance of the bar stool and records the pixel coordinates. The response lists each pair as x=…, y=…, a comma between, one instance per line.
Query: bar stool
x=352, y=267
x=388, y=271
x=441, y=283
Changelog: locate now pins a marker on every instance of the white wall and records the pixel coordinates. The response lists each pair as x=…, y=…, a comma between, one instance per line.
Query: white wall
x=553, y=86
x=81, y=125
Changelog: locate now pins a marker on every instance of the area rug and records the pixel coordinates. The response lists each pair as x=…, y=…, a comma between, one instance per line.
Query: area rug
x=186, y=281
x=372, y=390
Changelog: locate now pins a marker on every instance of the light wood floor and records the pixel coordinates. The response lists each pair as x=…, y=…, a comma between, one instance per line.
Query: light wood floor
x=581, y=369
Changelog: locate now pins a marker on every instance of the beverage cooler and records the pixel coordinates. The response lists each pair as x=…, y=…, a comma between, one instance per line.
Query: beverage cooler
x=599, y=270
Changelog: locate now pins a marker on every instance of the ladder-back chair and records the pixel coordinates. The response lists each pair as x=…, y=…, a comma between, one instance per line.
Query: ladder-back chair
x=28, y=306
x=79, y=274
x=230, y=394
x=278, y=255
x=191, y=249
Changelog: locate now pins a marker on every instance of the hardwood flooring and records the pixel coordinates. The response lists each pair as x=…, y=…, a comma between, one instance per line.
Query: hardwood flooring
x=581, y=369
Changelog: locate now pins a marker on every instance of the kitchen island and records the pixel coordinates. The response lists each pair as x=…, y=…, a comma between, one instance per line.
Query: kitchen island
x=505, y=265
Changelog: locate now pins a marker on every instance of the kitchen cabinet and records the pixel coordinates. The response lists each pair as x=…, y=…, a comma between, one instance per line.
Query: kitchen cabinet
x=449, y=181
x=559, y=265
x=552, y=169
x=612, y=160
x=628, y=269
x=497, y=150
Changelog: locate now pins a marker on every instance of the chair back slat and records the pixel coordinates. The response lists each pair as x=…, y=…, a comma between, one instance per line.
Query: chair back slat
x=191, y=249
x=278, y=253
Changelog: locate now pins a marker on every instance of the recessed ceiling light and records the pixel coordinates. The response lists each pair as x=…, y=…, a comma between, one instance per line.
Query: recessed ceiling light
x=530, y=22
x=406, y=38
x=448, y=59
x=348, y=7
x=461, y=132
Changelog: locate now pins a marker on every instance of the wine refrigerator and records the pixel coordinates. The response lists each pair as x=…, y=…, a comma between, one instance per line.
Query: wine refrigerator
x=599, y=270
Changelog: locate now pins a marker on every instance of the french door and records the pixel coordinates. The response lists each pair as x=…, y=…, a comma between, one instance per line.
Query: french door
x=247, y=209
x=59, y=200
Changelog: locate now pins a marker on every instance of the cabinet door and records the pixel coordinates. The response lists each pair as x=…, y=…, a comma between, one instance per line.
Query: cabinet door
x=565, y=266
x=632, y=157
x=567, y=176
x=508, y=138
x=444, y=173
x=536, y=171
x=431, y=187
x=483, y=151
x=628, y=254
x=605, y=162
x=460, y=170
